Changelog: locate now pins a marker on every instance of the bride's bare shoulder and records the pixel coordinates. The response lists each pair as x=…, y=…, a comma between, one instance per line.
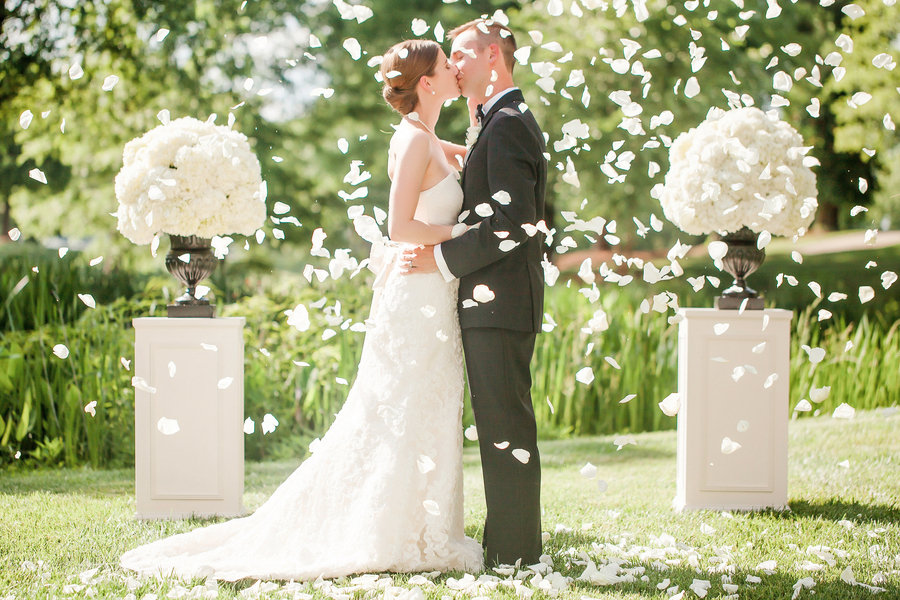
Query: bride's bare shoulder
x=408, y=138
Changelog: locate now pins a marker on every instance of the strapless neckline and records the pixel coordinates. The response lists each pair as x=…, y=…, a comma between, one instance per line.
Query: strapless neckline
x=439, y=183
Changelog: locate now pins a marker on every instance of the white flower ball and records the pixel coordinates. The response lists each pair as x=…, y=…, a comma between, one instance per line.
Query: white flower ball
x=189, y=177
x=741, y=167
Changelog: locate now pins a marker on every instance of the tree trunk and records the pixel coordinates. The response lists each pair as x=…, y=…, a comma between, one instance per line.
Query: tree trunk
x=7, y=222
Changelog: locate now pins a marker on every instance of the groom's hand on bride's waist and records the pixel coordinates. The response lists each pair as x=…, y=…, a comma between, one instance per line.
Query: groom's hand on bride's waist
x=418, y=260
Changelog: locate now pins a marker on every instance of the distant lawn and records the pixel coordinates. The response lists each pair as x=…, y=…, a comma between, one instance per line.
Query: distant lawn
x=844, y=514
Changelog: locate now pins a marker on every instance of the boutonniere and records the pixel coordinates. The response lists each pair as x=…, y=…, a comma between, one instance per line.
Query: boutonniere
x=472, y=134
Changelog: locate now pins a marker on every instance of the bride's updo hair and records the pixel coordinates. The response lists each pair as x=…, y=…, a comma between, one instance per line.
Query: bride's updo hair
x=412, y=59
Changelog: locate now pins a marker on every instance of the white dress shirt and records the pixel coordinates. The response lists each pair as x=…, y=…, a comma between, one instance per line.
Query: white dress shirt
x=438, y=256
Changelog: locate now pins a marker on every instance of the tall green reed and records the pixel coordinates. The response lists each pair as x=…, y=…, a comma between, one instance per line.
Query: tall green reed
x=303, y=379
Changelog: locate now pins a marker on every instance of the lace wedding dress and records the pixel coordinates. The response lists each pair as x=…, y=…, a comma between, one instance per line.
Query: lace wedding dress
x=382, y=490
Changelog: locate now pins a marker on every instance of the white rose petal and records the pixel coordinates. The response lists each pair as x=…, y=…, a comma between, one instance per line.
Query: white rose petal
x=167, y=426
x=471, y=433
x=717, y=250
x=692, y=87
x=819, y=395
x=25, y=119
x=432, y=508
x=110, y=82
x=484, y=210
x=866, y=293
x=298, y=318
x=803, y=406
x=816, y=355
x=624, y=440
x=250, y=427
x=502, y=197
x=588, y=471
x=91, y=408
x=38, y=175
x=61, y=351
x=671, y=404
x=351, y=45
x=88, y=300
x=585, y=376
x=729, y=446
x=888, y=278
x=224, y=383
x=269, y=423
x=853, y=11
x=844, y=411
x=482, y=294
x=425, y=464
x=521, y=455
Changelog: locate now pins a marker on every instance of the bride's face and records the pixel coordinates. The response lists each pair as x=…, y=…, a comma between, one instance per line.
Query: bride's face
x=443, y=80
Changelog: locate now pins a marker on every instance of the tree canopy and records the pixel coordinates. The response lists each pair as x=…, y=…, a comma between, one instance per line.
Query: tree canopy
x=612, y=84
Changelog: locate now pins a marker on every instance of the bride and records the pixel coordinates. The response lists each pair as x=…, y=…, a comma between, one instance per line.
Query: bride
x=383, y=489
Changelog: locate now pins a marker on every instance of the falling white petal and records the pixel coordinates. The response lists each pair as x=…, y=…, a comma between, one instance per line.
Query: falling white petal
x=585, y=376
x=729, y=446
x=167, y=426
x=671, y=404
x=269, y=423
x=521, y=455
x=844, y=411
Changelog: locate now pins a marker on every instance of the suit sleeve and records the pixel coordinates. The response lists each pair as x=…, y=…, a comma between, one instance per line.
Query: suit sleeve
x=513, y=153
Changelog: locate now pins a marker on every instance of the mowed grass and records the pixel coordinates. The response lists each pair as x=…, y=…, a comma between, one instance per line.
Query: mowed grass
x=58, y=526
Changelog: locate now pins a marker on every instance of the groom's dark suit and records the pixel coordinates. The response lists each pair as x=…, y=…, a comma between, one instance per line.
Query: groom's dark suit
x=498, y=335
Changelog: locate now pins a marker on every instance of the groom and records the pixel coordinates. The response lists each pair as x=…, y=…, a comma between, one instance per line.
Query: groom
x=504, y=177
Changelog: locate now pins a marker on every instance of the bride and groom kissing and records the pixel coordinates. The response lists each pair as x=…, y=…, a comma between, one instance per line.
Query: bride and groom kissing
x=461, y=280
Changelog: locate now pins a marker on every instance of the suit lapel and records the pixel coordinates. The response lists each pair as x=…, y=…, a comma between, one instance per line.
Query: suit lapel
x=513, y=97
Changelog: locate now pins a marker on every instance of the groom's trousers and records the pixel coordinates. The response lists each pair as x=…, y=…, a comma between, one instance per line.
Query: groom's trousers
x=498, y=369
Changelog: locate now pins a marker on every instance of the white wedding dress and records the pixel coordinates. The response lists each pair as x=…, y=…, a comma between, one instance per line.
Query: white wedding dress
x=382, y=491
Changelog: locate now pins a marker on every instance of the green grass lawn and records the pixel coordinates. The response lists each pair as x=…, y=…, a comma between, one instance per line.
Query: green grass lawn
x=61, y=531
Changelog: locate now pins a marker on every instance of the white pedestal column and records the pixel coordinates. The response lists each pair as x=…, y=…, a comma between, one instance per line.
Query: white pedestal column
x=733, y=380
x=187, y=364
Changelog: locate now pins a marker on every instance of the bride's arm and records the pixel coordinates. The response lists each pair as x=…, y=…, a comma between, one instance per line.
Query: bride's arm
x=456, y=154
x=412, y=155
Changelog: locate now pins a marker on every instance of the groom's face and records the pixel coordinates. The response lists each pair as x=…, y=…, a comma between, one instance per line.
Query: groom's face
x=473, y=63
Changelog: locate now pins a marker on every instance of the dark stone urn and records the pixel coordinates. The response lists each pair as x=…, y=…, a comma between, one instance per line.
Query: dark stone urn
x=190, y=260
x=742, y=259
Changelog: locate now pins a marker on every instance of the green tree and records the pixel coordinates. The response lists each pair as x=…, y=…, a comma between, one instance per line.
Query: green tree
x=192, y=58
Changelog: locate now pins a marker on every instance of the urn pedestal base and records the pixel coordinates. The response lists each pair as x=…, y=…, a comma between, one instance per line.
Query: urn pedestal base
x=732, y=427
x=205, y=311
x=188, y=417
x=734, y=303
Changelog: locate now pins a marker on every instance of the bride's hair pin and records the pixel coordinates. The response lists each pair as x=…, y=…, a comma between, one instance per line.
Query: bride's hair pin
x=402, y=66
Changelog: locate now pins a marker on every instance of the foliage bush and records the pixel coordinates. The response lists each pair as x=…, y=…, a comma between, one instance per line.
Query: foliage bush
x=302, y=379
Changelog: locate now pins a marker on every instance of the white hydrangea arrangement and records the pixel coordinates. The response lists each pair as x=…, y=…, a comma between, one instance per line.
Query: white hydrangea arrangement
x=741, y=167
x=189, y=177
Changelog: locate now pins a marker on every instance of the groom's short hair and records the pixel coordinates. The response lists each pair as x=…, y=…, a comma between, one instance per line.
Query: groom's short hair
x=492, y=32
